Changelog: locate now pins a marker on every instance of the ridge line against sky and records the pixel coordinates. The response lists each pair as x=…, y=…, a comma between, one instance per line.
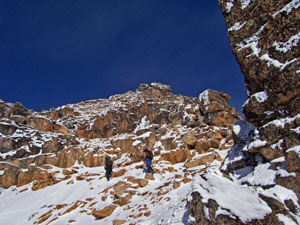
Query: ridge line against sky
x=54, y=53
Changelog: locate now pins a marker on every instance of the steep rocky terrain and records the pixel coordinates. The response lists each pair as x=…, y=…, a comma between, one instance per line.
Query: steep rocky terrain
x=51, y=165
x=210, y=167
x=265, y=38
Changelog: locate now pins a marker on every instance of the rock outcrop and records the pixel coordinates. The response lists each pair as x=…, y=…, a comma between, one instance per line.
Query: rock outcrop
x=264, y=36
x=63, y=145
x=172, y=126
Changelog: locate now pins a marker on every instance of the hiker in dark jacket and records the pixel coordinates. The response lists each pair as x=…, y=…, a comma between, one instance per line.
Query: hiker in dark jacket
x=148, y=156
x=108, y=167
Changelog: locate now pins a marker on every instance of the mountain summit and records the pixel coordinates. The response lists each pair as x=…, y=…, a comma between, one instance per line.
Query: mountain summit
x=52, y=162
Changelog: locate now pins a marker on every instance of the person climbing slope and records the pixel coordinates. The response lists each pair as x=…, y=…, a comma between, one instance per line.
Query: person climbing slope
x=148, y=156
x=108, y=167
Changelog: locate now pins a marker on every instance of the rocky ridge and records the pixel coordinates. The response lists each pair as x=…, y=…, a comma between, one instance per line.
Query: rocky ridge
x=264, y=36
x=65, y=147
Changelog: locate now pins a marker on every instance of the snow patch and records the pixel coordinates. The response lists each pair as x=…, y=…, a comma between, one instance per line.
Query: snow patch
x=285, y=220
x=236, y=26
x=263, y=175
x=275, y=62
x=296, y=130
x=269, y=113
x=229, y=6
x=212, y=185
x=277, y=145
x=281, y=122
x=257, y=143
x=295, y=149
x=261, y=96
x=203, y=97
x=286, y=46
x=245, y=3
x=295, y=4
x=242, y=128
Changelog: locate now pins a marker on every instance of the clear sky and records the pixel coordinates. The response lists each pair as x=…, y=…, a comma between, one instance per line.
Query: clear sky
x=57, y=52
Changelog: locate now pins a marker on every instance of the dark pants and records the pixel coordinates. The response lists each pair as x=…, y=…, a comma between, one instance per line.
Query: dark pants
x=108, y=172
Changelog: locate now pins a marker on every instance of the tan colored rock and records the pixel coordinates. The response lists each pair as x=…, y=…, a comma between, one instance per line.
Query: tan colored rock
x=7, y=144
x=52, y=160
x=175, y=156
x=186, y=180
x=148, y=139
x=108, y=125
x=147, y=214
x=24, y=177
x=92, y=159
x=168, y=143
x=149, y=176
x=68, y=172
x=61, y=129
x=202, y=146
x=124, y=200
x=39, y=184
x=119, y=222
x=214, y=101
x=9, y=177
x=178, y=156
x=67, y=157
x=105, y=212
x=124, y=144
x=190, y=138
x=223, y=119
x=120, y=188
x=176, y=184
x=52, y=146
x=119, y=173
x=40, y=123
x=205, y=159
x=140, y=182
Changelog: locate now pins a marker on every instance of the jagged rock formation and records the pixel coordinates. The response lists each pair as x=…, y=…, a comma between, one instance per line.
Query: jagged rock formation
x=265, y=40
x=264, y=36
x=63, y=145
x=145, y=117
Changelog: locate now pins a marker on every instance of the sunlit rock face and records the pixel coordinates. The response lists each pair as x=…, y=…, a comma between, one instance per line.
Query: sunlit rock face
x=65, y=148
x=122, y=126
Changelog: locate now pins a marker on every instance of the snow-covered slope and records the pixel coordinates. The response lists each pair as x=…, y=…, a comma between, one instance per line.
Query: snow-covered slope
x=52, y=171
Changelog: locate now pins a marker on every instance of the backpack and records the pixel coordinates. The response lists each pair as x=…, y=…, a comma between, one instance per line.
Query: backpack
x=150, y=154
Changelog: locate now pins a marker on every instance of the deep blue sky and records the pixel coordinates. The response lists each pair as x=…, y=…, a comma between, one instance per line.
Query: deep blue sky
x=57, y=52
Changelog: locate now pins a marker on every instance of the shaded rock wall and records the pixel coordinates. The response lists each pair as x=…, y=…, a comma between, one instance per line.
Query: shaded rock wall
x=264, y=36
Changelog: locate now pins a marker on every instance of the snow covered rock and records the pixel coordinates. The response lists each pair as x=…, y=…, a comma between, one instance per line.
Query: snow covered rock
x=216, y=199
x=63, y=172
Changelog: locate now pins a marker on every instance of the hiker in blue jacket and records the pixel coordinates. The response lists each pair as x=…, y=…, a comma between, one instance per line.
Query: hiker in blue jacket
x=148, y=156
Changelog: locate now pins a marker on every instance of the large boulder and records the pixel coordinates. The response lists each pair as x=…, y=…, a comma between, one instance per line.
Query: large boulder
x=155, y=90
x=7, y=144
x=216, y=110
x=9, y=176
x=105, y=212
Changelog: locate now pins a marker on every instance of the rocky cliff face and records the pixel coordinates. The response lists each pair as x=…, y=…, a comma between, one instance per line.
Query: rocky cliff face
x=63, y=145
x=265, y=37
